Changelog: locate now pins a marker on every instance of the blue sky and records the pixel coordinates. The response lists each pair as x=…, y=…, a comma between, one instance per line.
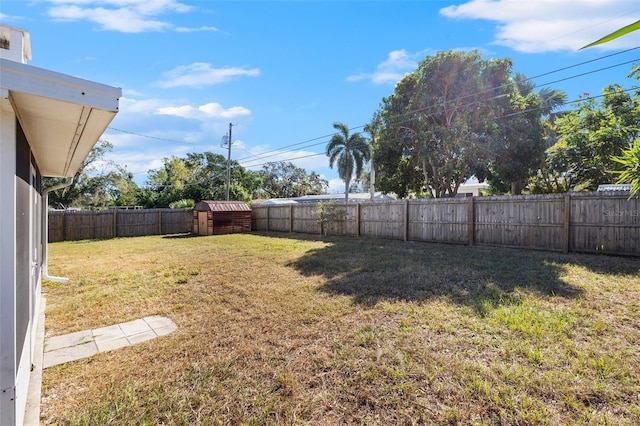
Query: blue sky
x=283, y=72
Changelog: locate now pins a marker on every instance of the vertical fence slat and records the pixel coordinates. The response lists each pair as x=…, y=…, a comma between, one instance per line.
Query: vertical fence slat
x=358, y=220
x=567, y=223
x=470, y=220
x=405, y=226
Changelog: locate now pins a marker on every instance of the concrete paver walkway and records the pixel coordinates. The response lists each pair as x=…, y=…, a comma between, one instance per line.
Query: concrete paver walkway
x=82, y=344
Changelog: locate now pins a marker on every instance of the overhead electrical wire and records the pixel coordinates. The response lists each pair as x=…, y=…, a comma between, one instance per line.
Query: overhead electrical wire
x=584, y=99
x=323, y=139
x=280, y=152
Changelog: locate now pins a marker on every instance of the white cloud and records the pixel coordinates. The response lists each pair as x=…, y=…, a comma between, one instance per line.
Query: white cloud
x=336, y=186
x=204, y=112
x=134, y=106
x=201, y=74
x=128, y=16
x=551, y=25
x=191, y=30
x=397, y=64
x=141, y=161
x=8, y=18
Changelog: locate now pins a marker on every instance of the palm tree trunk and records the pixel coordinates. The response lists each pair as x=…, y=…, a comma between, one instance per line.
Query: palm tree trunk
x=347, y=182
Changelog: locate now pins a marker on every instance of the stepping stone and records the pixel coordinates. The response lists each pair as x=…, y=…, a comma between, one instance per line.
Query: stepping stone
x=83, y=344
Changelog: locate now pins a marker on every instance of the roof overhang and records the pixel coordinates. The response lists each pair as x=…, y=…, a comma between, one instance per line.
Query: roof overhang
x=62, y=116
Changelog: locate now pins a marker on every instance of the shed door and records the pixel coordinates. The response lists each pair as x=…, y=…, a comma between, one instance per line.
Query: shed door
x=202, y=223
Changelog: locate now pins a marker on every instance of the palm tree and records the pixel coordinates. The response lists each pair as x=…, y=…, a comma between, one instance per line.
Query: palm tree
x=349, y=152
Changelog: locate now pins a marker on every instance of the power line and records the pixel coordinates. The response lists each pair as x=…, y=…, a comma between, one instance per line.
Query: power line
x=512, y=114
x=323, y=139
x=280, y=152
x=588, y=72
x=145, y=136
x=585, y=99
x=584, y=63
x=424, y=109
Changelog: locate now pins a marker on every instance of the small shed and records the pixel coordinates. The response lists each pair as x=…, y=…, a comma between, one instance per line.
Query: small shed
x=221, y=217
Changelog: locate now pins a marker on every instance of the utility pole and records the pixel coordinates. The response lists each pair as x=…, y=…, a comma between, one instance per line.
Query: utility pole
x=229, y=161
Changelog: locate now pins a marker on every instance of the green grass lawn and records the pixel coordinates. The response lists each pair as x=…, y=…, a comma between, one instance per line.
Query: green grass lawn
x=294, y=329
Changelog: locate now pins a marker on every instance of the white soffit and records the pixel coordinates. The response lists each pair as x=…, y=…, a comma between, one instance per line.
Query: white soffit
x=62, y=116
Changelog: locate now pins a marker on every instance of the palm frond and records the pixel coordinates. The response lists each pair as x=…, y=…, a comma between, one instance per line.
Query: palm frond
x=618, y=33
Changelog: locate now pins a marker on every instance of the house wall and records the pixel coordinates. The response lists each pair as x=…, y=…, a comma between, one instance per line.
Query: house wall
x=20, y=258
x=8, y=360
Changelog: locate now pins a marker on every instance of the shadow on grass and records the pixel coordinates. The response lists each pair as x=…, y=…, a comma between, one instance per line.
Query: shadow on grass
x=372, y=270
x=180, y=236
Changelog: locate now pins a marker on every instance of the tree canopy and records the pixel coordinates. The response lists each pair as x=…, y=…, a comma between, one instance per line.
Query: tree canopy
x=441, y=121
x=284, y=180
x=198, y=176
x=97, y=183
x=589, y=139
x=517, y=150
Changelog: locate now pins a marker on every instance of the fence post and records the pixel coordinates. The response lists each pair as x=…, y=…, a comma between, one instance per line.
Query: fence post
x=470, y=220
x=114, y=230
x=268, y=207
x=357, y=219
x=159, y=222
x=566, y=224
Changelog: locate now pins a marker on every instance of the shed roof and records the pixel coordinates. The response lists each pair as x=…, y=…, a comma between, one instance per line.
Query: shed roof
x=222, y=206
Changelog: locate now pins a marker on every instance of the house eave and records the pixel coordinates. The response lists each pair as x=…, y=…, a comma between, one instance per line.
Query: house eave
x=62, y=116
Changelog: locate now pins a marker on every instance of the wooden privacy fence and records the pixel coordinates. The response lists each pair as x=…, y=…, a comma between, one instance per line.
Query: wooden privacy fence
x=577, y=222
x=67, y=226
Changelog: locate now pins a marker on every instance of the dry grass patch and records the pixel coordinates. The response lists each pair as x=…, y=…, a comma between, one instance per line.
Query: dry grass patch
x=287, y=329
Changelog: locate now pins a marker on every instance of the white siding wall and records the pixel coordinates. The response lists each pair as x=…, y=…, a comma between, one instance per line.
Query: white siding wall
x=8, y=362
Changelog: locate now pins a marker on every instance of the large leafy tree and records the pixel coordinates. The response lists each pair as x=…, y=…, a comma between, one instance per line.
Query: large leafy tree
x=630, y=158
x=518, y=147
x=198, y=176
x=349, y=152
x=440, y=122
x=282, y=179
x=97, y=183
x=522, y=136
x=555, y=174
x=396, y=168
x=596, y=132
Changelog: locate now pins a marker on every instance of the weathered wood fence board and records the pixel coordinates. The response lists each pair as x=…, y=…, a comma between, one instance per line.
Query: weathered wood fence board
x=304, y=221
x=69, y=226
x=525, y=221
x=611, y=225
x=439, y=221
x=279, y=219
x=383, y=220
x=577, y=222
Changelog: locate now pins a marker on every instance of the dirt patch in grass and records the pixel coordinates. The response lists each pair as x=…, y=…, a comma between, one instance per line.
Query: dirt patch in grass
x=291, y=329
